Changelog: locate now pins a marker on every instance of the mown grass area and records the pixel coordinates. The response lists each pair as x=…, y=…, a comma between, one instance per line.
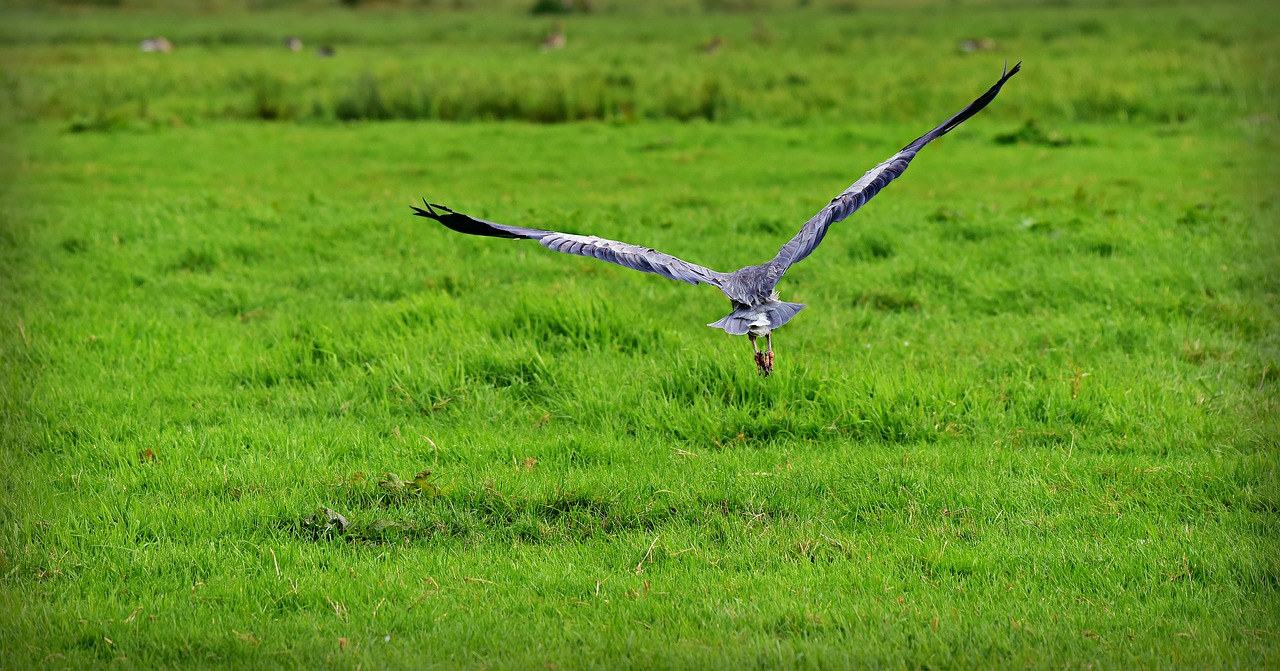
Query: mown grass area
x=254, y=413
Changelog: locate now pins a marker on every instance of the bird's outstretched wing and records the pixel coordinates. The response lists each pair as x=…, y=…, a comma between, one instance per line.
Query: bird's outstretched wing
x=857, y=195
x=621, y=253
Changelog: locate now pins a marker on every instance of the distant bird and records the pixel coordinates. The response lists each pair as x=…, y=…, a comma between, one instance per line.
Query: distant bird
x=555, y=40
x=156, y=45
x=751, y=290
x=976, y=44
x=324, y=51
x=293, y=43
x=715, y=45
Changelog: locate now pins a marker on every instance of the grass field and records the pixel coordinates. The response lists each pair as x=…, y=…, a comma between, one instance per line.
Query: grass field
x=256, y=414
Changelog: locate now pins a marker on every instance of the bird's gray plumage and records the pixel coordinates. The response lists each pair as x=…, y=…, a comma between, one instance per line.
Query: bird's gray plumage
x=756, y=308
x=863, y=190
x=632, y=256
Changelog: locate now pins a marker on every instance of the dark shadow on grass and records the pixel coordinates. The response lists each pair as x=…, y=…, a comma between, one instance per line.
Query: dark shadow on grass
x=366, y=512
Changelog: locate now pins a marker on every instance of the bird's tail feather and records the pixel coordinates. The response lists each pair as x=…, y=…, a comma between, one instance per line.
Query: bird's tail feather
x=782, y=313
x=733, y=324
x=739, y=321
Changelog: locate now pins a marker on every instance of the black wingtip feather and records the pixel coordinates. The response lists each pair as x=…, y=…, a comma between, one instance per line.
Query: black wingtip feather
x=973, y=108
x=460, y=222
x=978, y=105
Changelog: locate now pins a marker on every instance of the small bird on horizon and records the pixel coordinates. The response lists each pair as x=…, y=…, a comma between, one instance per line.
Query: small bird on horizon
x=156, y=45
x=751, y=290
x=554, y=40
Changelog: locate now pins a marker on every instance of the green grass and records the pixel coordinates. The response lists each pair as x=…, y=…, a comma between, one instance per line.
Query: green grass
x=1188, y=62
x=1028, y=419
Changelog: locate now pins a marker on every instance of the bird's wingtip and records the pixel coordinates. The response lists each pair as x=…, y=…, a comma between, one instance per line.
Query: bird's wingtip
x=423, y=213
x=431, y=210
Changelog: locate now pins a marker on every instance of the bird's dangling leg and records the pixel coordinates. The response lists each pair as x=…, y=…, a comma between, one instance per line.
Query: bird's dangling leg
x=768, y=354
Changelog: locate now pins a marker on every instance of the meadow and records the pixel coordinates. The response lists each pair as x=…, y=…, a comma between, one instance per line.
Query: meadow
x=256, y=414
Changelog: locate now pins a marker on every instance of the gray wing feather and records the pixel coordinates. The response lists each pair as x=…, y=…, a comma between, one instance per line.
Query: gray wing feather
x=863, y=190
x=626, y=255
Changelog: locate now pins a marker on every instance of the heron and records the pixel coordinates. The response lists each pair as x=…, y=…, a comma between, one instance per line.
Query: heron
x=751, y=290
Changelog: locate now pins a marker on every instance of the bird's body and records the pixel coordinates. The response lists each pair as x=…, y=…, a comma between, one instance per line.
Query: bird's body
x=751, y=290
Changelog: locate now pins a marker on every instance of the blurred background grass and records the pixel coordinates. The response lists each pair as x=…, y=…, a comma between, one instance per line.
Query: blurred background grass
x=787, y=62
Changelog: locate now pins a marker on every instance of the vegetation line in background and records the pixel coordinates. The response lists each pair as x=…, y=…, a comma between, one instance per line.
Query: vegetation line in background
x=794, y=66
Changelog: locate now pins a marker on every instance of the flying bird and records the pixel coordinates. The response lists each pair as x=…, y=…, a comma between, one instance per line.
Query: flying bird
x=751, y=290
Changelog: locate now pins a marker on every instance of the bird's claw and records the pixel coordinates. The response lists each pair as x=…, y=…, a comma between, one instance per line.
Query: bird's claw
x=764, y=363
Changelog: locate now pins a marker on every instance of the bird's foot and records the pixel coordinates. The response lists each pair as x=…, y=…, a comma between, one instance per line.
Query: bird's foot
x=764, y=363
